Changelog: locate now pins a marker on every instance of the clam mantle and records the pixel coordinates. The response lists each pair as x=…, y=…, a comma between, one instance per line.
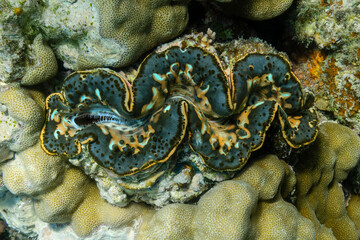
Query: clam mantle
x=179, y=96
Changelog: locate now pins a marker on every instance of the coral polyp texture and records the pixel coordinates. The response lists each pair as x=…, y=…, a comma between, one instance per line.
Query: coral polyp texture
x=44, y=66
x=26, y=107
x=322, y=168
x=140, y=26
x=255, y=9
x=180, y=95
x=253, y=205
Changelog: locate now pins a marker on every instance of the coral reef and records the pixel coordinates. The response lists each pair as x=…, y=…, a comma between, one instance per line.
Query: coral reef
x=258, y=195
x=12, y=45
x=39, y=64
x=61, y=193
x=18, y=212
x=175, y=181
x=32, y=171
x=331, y=64
x=11, y=52
x=250, y=206
x=132, y=149
x=329, y=24
x=255, y=9
x=88, y=34
x=205, y=140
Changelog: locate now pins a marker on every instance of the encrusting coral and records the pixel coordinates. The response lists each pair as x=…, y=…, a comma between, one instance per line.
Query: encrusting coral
x=255, y=9
x=44, y=65
x=142, y=124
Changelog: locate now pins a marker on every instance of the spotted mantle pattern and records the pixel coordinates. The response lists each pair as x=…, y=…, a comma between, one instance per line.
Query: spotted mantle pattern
x=179, y=96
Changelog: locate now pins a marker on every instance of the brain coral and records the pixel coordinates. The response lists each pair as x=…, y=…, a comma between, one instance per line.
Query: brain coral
x=178, y=95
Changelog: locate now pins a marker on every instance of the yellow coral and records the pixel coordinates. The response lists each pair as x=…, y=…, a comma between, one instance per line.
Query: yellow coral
x=251, y=206
x=94, y=211
x=173, y=221
x=44, y=66
x=137, y=26
x=353, y=210
x=279, y=219
x=64, y=194
x=248, y=207
x=224, y=212
x=266, y=175
x=275, y=218
x=26, y=107
x=32, y=171
x=319, y=194
x=60, y=203
x=256, y=9
x=61, y=193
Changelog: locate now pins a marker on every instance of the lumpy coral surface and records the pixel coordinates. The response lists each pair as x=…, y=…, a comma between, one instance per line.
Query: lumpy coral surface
x=255, y=9
x=179, y=95
x=137, y=26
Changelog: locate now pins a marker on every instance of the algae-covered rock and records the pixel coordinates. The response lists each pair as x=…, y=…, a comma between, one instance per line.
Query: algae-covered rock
x=331, y=63
x=88, y=34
